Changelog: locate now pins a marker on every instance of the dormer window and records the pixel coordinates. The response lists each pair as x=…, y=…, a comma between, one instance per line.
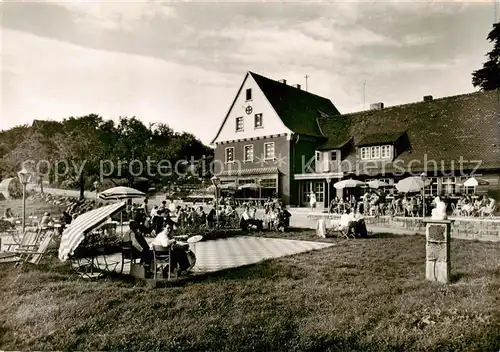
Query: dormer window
x=376, y=152
x=248, y=94
x=386, y=152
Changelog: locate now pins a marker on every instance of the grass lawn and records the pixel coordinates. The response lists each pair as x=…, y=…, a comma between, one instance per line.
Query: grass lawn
x=33, y=207
x=367, y=294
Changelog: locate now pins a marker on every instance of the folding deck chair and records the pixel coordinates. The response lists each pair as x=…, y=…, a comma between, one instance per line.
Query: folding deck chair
x=35, y=253
x=28, y=241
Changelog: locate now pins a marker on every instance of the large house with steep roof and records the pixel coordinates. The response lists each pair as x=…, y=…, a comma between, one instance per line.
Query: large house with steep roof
x=294, y=142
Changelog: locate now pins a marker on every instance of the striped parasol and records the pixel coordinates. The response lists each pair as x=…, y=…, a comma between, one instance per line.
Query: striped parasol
x=121, y=193
x=74, y=234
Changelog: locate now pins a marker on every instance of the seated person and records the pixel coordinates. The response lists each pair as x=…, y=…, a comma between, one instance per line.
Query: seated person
x=467, y=208
x=246, y=221
x=138, y=242
x=202, y=216
x=489, y=208
x=229, y=210
x=162, y=207
x=253, y=212
x=283, y=219
x=178, y=253
x=353, y=224
x=8, y=215
x=211, y=218
x=167, y=220
x=65, y=220
x=46, y=220
x=333, y=206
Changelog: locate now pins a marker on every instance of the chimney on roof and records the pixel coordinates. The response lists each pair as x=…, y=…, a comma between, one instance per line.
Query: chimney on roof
x=282, y=81
x=428, y=98
x=297, y=86
x=377, y=106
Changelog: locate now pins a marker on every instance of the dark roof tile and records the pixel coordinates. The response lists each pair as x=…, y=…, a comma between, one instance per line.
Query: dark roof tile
x=445, y=130
x=299, y=110
x=379, y=138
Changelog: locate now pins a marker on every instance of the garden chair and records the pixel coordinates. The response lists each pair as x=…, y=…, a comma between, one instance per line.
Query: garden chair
x=161, y=260
x=129, y=254
x=488, y=211
x=27, y=241
x=337, y=230
x=35, y=254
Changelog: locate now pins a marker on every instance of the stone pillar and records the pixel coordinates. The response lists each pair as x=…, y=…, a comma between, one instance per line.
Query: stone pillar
x=437, y=263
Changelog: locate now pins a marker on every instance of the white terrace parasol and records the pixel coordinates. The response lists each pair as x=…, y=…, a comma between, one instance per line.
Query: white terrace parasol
x=348, y=184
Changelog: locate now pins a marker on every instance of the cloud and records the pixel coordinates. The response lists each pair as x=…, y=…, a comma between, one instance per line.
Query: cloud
x=183, y=62
x=116, y=14
x=65, y=80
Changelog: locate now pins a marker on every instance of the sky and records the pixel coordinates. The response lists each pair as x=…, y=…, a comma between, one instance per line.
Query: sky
x=181, y=63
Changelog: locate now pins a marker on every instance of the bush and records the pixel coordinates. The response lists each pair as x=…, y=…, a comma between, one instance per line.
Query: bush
x=98, y=242
x=207, y=233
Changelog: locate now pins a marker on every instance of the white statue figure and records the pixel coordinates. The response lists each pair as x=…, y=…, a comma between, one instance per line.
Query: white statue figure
x=439, y=212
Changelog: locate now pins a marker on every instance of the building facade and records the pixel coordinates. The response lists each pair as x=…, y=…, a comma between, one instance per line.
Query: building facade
x=295, y=142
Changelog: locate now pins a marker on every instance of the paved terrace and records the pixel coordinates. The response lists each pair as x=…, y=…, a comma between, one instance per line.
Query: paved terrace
x=234, y=252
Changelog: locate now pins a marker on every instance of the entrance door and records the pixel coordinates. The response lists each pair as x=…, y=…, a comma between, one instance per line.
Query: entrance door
x=318, y=187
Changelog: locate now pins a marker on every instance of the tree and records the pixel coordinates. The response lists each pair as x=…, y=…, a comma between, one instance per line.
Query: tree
x=80, y=147
x=488, y=77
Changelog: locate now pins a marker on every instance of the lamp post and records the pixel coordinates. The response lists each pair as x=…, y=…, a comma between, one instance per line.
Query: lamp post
x=40, y=180
x=259, y=180
x=423, y=176
x=203, y=191
x=24, y=177
x=96, y=184
x=216, y=182
x=328, y=180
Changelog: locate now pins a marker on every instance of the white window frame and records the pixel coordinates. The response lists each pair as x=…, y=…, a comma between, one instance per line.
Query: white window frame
x=332, y=153
x=317, y=156
x=242, y=124
x=375, y=152
x=245, y=153
x=255, y=121
x=386, y=151
x=265, y=151
x=367, y=151
x=225, y=155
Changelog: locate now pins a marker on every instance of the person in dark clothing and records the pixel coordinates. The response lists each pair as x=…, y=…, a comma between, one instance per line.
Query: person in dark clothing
x=283, y=219
x=167, y=220
x=360, y=229
x=247, y=221
x=138, y=243
x=211, y=218
x=65, y=221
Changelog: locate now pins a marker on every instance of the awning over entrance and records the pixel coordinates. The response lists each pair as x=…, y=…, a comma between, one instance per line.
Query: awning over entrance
x=246, y=172
x=318, y=176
